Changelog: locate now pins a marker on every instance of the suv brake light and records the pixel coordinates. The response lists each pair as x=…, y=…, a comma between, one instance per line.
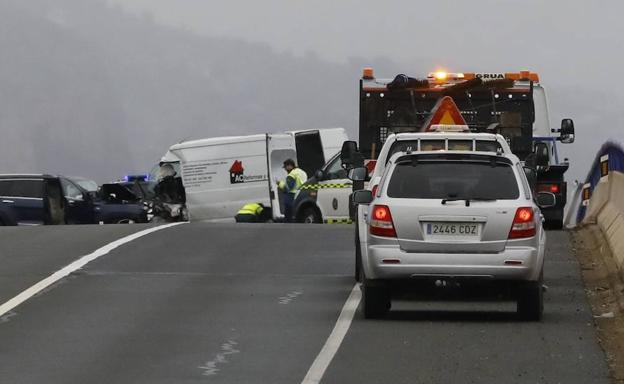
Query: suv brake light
x=381, y=222
x=523, y=223
x=374, y=191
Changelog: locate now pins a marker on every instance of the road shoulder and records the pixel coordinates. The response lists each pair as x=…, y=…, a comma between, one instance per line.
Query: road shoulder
x=604, y=286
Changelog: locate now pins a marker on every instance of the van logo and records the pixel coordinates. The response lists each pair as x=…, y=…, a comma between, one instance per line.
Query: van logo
x=237, y=172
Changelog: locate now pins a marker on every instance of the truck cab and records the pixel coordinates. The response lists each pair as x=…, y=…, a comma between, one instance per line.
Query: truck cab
x=513, y=105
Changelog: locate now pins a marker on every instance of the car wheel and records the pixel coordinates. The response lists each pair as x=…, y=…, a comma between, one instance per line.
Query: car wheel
x=531, y=301
x=358, y=254
x=311, y=216
x=375, y=299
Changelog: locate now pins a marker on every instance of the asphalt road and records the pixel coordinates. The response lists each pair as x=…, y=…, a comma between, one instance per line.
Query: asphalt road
x=225, y=303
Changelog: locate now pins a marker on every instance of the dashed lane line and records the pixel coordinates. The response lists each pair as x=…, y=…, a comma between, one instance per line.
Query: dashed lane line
x=324, y=358
x=76, y=265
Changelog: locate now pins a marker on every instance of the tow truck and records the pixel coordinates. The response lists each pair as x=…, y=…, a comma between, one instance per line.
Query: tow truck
x=513, y=105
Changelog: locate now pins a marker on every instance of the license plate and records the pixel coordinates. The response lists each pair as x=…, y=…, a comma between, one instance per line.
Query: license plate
x=458, y=230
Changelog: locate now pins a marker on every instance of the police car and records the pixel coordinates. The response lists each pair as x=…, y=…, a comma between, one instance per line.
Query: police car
x=324, y=198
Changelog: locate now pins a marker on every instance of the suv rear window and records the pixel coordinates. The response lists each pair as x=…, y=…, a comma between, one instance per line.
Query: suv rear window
x=453, y=179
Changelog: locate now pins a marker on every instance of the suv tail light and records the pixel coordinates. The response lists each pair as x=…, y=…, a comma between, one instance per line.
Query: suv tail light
x=381, y=222
x=523, y=224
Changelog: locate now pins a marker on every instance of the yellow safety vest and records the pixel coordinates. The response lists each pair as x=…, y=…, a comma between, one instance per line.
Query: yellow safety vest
x=251, y=209
x=300, y=178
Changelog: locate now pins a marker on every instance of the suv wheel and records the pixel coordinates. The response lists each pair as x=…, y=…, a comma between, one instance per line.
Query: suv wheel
x=375, y=299
x=531, y=301
x=358, y=255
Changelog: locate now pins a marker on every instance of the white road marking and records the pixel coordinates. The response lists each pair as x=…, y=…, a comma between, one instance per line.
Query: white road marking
x=324, y=358
x=76, y=265
x=210, y=368
x=290, y=297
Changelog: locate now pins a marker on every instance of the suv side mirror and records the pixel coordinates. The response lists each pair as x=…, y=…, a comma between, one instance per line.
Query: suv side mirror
x=546, y=200
x=567, y=131
x=319, y=175
x=363, y=196
x=358, y=174
x=541, y=154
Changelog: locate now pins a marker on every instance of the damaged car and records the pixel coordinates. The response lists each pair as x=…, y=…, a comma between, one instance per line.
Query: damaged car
x=109, y=204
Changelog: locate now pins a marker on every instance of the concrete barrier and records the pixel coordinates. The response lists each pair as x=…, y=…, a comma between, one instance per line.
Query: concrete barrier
x=608, y=210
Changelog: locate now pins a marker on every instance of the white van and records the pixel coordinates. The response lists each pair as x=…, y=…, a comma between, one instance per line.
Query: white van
x=222, y=174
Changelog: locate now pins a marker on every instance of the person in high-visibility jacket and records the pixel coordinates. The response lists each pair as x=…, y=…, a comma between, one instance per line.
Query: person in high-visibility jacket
x=295, y=179
x=253, y=213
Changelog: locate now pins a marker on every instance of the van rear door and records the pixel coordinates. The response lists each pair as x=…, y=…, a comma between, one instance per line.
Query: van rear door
x=310, y=156
x=279, y=148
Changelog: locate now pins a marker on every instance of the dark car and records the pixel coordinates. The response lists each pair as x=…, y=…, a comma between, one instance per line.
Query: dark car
x=31, y=200
x=141, y=185
x=108, y=204
x=47, y=199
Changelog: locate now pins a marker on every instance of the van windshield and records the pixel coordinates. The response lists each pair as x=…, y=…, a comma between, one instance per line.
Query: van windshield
x=453, y=180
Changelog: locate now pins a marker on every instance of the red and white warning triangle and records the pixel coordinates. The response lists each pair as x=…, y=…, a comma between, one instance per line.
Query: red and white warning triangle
x=444, y=112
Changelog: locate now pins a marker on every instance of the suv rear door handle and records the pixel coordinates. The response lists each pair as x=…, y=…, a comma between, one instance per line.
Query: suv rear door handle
x=8, y=201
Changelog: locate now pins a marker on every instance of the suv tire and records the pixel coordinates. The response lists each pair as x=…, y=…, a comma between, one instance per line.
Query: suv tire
x=358, y=255
x=531, y=301
x=375, y=299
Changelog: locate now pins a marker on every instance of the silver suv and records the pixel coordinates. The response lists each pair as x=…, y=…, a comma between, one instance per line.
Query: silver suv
x=452, y=222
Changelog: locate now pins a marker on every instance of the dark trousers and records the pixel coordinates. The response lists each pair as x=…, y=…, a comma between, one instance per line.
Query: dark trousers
x=246, y=218
x=289, y=202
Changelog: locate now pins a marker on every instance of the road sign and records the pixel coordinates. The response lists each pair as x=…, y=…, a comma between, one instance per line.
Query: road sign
x=445, y=112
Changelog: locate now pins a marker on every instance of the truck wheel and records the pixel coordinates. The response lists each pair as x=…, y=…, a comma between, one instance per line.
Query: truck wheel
x=358, y=254
x=531, y=301
x=554, y=224
x=310, y=216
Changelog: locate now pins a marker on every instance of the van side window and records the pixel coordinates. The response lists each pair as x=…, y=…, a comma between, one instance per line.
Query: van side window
x=26, y=188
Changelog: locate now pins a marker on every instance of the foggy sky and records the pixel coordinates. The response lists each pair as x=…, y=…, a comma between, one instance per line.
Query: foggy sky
x=575, y=45
x=93, y=91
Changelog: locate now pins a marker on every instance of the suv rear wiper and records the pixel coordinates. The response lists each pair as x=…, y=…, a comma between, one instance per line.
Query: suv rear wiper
x=467, y=199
